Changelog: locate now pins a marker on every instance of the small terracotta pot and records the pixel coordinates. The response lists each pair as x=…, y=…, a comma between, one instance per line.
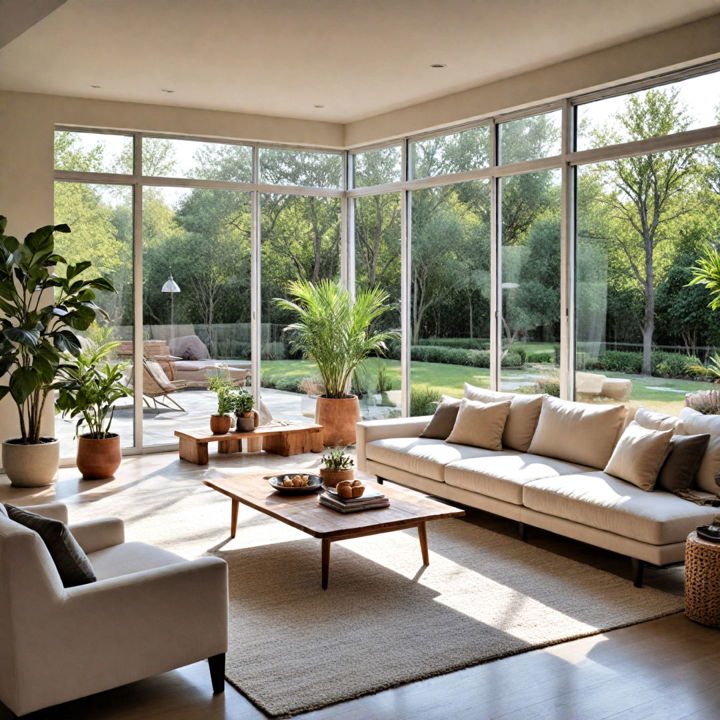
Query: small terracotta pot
x=245, y=423
x=220, y=424
x=98, y=458
x=338, y=416
x=332, y=477
x=31, y=465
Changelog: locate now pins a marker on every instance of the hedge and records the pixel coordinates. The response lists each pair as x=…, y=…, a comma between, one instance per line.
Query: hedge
x=662, y=364
x=466, y=343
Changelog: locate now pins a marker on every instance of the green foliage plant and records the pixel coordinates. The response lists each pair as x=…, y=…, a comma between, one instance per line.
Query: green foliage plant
x=333, y=330
x=244, y=402
x=91, y=390
x=707, y=273
x=223, y=387
x=337, y=458
x=423, y=400
x=44, y=301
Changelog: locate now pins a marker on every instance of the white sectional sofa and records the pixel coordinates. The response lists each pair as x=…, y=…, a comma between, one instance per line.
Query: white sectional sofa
x=571, y=499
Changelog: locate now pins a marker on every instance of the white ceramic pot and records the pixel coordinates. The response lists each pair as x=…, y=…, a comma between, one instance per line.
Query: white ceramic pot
x=31, y=465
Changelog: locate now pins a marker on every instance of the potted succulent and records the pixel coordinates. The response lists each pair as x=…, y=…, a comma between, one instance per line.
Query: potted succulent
x=337, y=466
x=221, y=421
x=92, y=389
x=333, y=330
x=245, y=417
x=44, y=300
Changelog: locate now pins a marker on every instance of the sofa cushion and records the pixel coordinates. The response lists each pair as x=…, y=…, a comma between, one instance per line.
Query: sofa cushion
x=130, y=557
x=502, y=476
x=680, y=468
x=695, y=423
x=639, y=455
x=442, y=422
x=656, y=420
x=71, y=562
x=582, y=433
x=480, y=424
x=189, y=347
x=599, y=500
x=421, y=456
x=522, y=419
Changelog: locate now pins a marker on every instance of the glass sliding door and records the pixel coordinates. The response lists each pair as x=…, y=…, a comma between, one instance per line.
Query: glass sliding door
x=196, y=303
x=530, y=282
x=450, y=291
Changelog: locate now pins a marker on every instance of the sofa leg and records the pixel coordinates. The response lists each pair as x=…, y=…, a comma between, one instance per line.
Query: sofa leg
x=217, y=673
x=638, y=570
x=522, y=531
x=381, y=481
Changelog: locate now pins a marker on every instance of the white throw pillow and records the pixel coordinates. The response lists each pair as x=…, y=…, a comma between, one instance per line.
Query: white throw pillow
x=639, y=455
x=582, y=433
x=522, y=419
x=480, y=424
x=694, y=423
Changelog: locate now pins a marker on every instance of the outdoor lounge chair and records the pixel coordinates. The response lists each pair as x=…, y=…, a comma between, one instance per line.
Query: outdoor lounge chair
x=156, y=384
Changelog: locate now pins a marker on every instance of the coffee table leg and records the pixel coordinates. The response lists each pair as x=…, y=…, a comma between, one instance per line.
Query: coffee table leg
x=234, y=517
x=422, y=534
x=325, y=562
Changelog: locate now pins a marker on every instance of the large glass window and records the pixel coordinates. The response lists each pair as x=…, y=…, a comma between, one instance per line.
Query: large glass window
x=168, y=157
x=301, y=167
x=300, y=240
x=530, y=138
x=450, y=291
x=377, y=264
x=453, y=153
x=377, y=167
x=93, y=152
x=100, y=217
x=530, y=282
x=196, y=303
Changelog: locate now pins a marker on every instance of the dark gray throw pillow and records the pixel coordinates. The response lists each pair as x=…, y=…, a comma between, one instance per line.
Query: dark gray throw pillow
x=443, y=421
x=686, y=454
x=71, y=562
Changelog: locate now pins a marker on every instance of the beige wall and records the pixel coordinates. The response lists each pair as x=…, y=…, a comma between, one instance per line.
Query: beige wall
x=27, y=121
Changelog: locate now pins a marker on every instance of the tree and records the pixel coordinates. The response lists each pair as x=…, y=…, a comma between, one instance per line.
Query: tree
x=645, y=194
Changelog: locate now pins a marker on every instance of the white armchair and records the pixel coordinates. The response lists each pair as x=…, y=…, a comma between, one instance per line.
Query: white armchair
x=150, y=611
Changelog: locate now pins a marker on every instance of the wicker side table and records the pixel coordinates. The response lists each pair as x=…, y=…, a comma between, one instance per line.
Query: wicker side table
x=702, y=580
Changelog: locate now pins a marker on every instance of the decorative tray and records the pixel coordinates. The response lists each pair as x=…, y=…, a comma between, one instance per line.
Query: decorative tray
x=709, y=532
x=314, y=483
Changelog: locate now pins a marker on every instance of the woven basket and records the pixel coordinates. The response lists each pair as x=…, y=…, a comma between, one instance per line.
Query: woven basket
x=702, y=580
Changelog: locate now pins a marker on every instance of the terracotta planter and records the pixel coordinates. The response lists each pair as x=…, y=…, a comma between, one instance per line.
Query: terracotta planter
x=338, y=416
x=31, y=465
x=245, y=423
x=98, y=458
x=220, y=424
x=332, y=477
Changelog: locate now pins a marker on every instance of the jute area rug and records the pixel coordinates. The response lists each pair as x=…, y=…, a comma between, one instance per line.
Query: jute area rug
x=385, y=620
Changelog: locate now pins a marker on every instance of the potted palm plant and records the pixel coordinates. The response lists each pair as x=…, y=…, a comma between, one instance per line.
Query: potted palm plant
x=90, y=394
x=221, y=421
x=334, y=331
x=245, y=417
x=44, y=300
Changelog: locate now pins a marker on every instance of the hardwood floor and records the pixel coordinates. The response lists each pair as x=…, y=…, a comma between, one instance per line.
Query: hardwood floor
x=667, y=669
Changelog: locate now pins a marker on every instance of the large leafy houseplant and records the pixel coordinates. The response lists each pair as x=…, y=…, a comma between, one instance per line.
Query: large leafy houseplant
x=335, y=331
x=44, y=301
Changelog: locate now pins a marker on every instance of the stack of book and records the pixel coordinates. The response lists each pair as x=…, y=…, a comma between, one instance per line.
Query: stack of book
x=370, y=500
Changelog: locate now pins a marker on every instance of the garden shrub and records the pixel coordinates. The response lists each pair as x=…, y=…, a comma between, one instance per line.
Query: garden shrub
x=540, y=356
x=546, y=387
x=423, y=400
x=706, y=402
x=288, y=384
x=512, y=360
x=450, y=356
x=663, y=364
x=466, y=343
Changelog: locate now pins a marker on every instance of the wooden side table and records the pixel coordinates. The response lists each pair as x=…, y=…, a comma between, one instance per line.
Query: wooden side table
x=702, y=580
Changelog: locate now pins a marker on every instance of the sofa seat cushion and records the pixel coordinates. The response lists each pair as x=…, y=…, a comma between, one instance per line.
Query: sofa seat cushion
x=129, y=558
x=421, y=456
x=599, y=500
x=503, y=476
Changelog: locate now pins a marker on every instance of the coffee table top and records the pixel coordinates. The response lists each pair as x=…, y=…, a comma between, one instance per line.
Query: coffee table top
x=204, y=435
x=305, y=513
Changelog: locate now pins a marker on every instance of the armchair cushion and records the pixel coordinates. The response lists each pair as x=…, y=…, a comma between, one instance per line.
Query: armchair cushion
x=71, y=562
x=130, y=557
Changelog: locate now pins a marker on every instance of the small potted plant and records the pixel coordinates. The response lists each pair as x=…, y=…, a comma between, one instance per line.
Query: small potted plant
x=245, y=417
x=337, y=466
x=221, y=421
x=89, y=392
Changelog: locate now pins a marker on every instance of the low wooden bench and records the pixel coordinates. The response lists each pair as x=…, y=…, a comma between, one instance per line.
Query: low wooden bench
x=280, y=439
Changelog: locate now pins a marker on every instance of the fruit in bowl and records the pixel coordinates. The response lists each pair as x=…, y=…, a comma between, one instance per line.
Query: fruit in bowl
x=347, y=489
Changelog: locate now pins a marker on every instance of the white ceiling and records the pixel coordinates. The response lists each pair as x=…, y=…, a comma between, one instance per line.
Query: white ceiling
x=358, y=58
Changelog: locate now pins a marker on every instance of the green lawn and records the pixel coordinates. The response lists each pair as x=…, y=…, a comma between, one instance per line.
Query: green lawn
x=647, y=391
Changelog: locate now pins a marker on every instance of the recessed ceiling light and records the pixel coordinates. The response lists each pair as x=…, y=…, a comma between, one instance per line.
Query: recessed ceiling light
x=96, y=86
x=438, y=65
x=319, y=106
x=165, y=90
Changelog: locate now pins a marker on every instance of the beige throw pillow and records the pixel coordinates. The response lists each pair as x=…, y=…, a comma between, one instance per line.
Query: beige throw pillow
x=655, y=420
x=694, y=423
x=582, y=433
x=480, y=424
x=522, y=419
x=639, y=455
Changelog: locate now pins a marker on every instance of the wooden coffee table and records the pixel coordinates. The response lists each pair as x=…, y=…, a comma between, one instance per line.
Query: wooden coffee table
x=407, y=509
